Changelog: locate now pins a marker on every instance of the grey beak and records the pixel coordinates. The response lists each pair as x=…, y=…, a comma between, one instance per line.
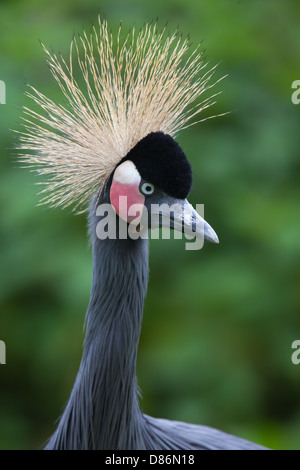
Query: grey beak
x=209, y=233
x=195, y=225
x=180, y=215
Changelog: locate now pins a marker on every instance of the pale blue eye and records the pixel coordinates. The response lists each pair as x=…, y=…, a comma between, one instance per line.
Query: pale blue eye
x=147, y=189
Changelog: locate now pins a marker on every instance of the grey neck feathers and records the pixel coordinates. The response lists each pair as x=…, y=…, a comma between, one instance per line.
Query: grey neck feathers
x=103, y=410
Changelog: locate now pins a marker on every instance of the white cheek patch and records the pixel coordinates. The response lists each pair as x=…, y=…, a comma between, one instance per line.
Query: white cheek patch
x=125, y=196
x=126, y=173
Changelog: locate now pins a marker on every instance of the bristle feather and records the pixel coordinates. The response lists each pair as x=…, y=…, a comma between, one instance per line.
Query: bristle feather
x=147, y=85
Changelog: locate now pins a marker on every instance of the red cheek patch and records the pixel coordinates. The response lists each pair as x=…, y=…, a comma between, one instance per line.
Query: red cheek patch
x=127, y=201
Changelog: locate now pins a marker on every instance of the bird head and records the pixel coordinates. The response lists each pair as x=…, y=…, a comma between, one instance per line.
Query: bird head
x=133, y=95
x=150, y=186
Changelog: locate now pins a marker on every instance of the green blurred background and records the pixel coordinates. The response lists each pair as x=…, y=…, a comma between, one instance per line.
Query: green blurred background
x=218, y=323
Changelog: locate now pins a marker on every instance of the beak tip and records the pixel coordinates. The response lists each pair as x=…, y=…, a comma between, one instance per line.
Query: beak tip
x=210, y=235
x=214, y=239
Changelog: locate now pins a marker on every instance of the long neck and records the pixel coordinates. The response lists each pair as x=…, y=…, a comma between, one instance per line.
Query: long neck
x=103, y=411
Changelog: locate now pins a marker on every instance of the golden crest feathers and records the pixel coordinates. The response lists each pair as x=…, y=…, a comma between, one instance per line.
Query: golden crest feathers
x=127, y=87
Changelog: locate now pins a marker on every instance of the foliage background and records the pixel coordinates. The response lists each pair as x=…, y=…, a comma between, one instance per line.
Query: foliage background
x=218, y=323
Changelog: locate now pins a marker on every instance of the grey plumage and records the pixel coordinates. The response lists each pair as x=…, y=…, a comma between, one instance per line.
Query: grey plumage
x=103, y=411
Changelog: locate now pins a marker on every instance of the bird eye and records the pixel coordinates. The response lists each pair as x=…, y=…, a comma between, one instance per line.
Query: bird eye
x=147, y=188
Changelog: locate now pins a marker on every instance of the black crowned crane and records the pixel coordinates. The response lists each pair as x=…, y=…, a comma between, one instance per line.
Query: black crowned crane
x=113, y=141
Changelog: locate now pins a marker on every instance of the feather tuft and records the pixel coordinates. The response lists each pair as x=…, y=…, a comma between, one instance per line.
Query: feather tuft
x=126, y=88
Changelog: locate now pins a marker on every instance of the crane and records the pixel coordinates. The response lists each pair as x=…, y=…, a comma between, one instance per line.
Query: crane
x=111, y=149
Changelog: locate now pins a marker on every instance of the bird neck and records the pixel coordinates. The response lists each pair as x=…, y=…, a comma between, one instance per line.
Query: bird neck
x=113, y=324
x=103, y=408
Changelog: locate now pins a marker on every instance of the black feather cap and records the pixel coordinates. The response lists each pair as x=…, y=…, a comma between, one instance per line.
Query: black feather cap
x=161, y=161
